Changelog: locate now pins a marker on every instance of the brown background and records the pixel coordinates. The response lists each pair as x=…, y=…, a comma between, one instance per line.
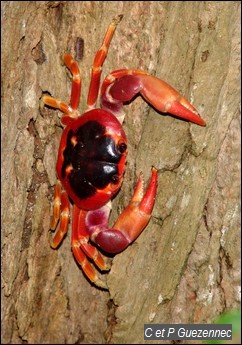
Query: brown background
x=185, y=266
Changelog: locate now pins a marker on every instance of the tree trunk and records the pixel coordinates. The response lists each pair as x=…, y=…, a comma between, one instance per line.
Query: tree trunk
x=184, y=268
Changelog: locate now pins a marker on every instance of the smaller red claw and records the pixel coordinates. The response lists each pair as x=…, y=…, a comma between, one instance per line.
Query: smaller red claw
x=137, y=214
x=129, y=224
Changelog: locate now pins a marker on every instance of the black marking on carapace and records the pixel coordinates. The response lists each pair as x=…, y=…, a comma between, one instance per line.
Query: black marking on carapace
x=93, y=156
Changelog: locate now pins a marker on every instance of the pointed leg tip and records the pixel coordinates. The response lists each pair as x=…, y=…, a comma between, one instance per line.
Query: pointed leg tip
x=46, y=98
x=67, y=57
x=154, y=170
x=101, y=284
x=53, y=245
x=117, y=19
x=141, y=176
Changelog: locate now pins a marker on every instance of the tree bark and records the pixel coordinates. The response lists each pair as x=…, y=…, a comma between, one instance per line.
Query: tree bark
x=184, y=268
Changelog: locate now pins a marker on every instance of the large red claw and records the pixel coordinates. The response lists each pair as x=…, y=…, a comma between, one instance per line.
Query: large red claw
x=167, y=100
x=122, y=85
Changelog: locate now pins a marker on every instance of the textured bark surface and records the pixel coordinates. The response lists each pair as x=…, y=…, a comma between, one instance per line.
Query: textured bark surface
x=185, y=266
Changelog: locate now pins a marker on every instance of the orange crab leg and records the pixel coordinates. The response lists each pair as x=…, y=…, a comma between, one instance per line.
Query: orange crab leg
x=56, y=206
x=64, y=220
x=83, y=236
x=70, y=110
x=57, y=104
x=98, y=62
x=81, y=248
x=122, y=85
x=76, y=81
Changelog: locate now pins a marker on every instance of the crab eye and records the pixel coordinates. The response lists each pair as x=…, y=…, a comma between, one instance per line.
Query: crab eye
x=115, y=179
x=122, y=147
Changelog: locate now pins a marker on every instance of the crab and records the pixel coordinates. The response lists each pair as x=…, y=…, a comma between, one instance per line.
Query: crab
x=91, y=160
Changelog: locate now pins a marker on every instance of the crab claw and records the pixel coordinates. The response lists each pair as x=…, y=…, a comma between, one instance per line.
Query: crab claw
x=129, y=224
x=167, y=100
x=122, y=85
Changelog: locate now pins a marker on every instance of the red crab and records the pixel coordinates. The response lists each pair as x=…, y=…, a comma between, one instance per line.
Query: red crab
x=91, y=159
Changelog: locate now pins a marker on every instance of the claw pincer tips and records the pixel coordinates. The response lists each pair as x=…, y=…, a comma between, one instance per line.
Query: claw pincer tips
x=147, y=203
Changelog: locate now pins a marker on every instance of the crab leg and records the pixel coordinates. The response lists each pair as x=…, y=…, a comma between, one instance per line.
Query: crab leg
x=98, y=62
x=61, y=211
x=56, y=206
x=57, y=104
x=70, y=110
x=81, y=248
x=76, y=81
x=129, y=224
x=122, y=85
